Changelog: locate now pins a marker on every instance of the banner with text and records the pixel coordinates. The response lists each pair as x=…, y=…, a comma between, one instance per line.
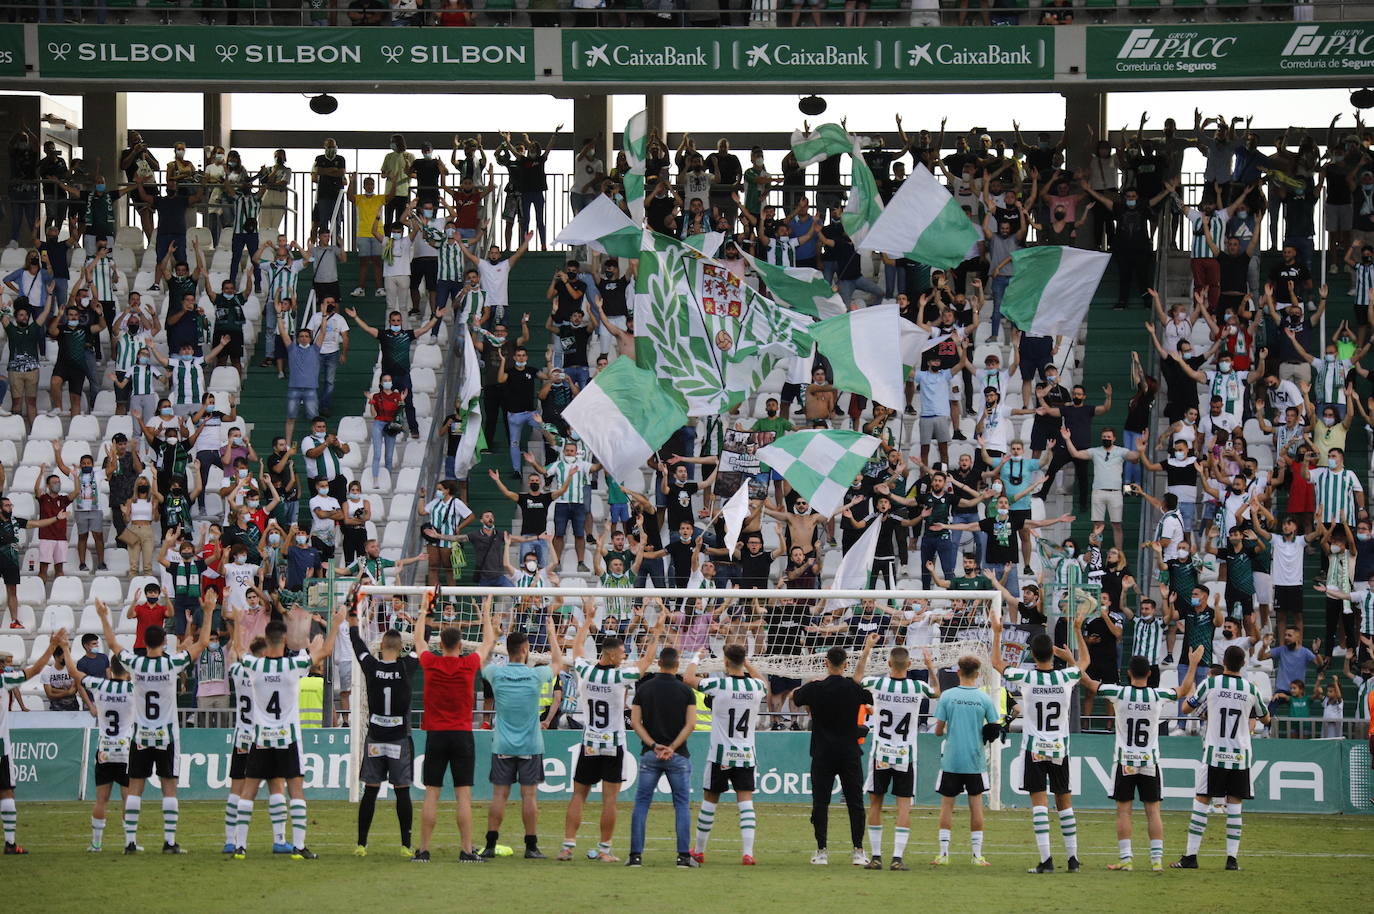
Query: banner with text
x=802, y=55
x=1251, y=49
x=1288, y=775
x=12, y=50
x=1310, y=776
x=184, y=53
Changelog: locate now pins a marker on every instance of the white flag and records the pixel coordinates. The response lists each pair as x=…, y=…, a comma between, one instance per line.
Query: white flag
x=856, y=565
x=735, y=511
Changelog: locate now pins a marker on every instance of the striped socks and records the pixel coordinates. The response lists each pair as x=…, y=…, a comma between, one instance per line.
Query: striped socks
x=1233, y=829
x=747, y=826
x=1068, y=828
x=706, y=817
x=875, y=839
x=132, y=807
x=899, y=839
x=1040, y=823
x=9, y=817
x=297, y=823
x=276, y=811
x=97, y=832
x=231, y=819
x=1156, y=850
x=1197, y=824
x=245, y=819
x=171, y=812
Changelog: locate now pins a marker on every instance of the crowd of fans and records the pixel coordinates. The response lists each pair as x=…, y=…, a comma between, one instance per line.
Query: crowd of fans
x=1248, y=469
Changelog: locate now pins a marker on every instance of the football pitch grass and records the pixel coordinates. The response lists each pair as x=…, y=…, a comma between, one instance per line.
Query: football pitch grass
x=1287, y=862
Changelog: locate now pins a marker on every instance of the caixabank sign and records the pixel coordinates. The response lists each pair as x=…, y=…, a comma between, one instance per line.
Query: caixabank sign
x=807, y=55
x=1258, y=49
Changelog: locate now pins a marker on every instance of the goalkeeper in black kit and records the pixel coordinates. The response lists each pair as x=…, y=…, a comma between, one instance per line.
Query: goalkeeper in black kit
x=388, y=752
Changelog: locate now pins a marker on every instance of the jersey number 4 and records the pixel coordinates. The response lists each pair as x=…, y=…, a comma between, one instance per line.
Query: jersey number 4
x=886, y=728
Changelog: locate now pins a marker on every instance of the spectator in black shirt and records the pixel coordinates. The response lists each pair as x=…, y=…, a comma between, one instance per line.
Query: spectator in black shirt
x=834, y=704
x=1077, y=417
x=1133, y=241
x=516, y=379
x=534, y=512
x=726, y=174
x=1291, y=279
x=171, y=216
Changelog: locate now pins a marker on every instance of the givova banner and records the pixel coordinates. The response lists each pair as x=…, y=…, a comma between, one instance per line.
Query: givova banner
x=1312, y=776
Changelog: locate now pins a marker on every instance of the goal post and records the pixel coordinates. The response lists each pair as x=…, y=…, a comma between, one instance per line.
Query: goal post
x=785, y=633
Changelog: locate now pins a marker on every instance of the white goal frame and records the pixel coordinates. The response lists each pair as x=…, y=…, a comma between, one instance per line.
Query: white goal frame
x=944, y=653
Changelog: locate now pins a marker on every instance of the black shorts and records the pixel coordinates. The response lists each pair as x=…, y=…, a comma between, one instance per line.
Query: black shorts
x=123, y=394
x=779, y=685
x=6, y=777
x=951, y=784
x=426, y=269
x=234, y=348
x=238, y=764
x=1246, y=601
x=325, y=290
x=510, y=769
x=1228, y=782
x=723, y=780
x=884, y=781
x=9, y=572
x=1288, y=598
x=74, y=375
x=390, y=761
x=266, y=763
x=1106, y=673
x=593, y=769
x=452, y=750
x=144, y=761
x=1038, y=776
x=111, y=773
x=1148, y=788
x=1036, y=354
x=1019, y=516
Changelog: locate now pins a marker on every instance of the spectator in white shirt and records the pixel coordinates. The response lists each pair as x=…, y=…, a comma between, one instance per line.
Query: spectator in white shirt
x=333, y=348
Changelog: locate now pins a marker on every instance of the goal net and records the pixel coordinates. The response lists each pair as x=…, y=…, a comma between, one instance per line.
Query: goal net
x=786, y=633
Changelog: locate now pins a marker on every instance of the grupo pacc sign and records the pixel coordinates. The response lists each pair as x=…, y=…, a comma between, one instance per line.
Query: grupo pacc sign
x=1288, y=49
x=785, y=55
x=245, y=54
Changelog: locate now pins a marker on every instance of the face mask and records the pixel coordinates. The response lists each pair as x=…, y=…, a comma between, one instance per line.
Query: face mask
x=100, y=188
x=355, y=496
x=322, y=490
x=396, y=236
x=1181, y=455
x=395, y=328
x=240, y=560
x=1328, y=421
x=488, y=525
x=144, y=360
x=1052, y=379
x=997, y=486
x=329, y=150
x=1130, y=204
x=531, y=567
x=1224, y=366
x=1362, y=537
x=73, y=322
x=302, y=540
x=428, y=155
x=1108, y=442
x=1331, y=463
x=1002, y=512
x=252, y=503
x=1240, y=213
x=274, y=539
x=180, y=154
x=1195, y=601
x=520, y=363
x=187, y=556
x=386, y=385
x=1329, y=357
x=428, y=213
x=54, y=487
x=1337, y=550
x=243, y=473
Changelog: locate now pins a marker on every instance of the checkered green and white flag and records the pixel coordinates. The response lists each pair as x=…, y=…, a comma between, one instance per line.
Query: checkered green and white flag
x=820, y=464
x=864, y=205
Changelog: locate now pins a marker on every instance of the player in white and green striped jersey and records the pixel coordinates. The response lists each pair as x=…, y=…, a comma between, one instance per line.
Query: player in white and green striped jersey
x=9, y=680
x=736, y=697
x=1230, y=701
x=601, y=688
x=896, y=701
x=102, y=276
x=1137, y=708
x=112, y=700
x=154, y=749
x=275, y=679
x=1046, y=694
x=1147, y=635
x=243, y=747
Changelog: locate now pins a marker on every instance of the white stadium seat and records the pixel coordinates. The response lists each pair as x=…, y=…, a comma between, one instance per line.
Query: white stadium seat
x=68, y=589
x=55, y=618
x=14, y=646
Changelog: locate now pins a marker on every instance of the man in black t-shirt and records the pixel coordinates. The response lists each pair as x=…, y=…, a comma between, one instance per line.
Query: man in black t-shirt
x=1290, y=271
x=834, y=704
x=516, y=379
x=663, y=716
x=1076, y=416
x=573, y=338
x=534, y=513
x=566, y=292
x=613, y=306
x=328, y=172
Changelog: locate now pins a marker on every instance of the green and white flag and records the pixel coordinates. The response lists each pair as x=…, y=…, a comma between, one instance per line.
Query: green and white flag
x=624, y=415
x=707, y=243
x=473, y=438
x=803, y=289
x=1051, y=288
x=602, y=226
x=636, y=143
x=864, y=348
x=856, y=566
x=864, y=205
x=820, y=464
x=923, y=222
x=701, y=329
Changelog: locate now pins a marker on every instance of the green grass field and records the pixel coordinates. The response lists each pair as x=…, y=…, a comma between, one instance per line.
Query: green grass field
x=1286, y=860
